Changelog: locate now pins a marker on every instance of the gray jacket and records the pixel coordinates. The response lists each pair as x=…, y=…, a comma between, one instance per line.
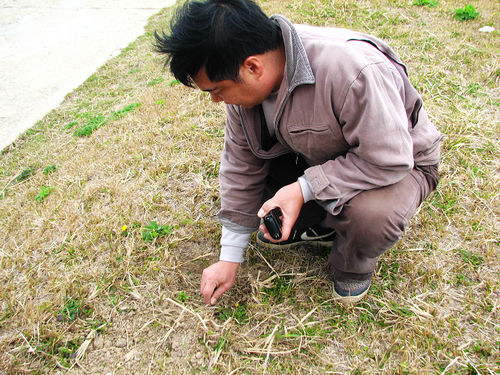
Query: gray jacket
x=346, y=106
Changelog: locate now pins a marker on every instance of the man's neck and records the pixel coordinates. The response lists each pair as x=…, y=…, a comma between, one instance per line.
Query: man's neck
x=276, y=63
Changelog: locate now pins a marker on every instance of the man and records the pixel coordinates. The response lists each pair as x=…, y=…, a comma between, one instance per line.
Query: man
x=321, y=122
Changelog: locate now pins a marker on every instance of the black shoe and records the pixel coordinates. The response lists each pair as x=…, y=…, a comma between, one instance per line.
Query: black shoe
x=350, y=291
x=315, y=236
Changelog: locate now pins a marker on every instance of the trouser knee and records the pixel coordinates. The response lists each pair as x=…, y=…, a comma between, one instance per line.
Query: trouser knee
x=373, y=221
x=374, y=227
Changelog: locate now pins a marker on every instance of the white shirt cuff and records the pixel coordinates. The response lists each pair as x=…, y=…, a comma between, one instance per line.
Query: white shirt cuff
x=308, y=194
x=307, y=190
x=233, y=245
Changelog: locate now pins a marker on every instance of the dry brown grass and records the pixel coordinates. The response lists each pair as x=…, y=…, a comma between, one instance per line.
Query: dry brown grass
x=81, y=295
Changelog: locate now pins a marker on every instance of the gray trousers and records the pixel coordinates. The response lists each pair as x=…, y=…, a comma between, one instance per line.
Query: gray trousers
x=368, y=225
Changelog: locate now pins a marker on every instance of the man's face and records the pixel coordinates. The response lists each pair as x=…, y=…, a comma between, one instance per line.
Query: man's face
x=246, y=92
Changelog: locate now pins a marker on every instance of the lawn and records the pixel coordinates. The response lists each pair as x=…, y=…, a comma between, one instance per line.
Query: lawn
x=107, y=218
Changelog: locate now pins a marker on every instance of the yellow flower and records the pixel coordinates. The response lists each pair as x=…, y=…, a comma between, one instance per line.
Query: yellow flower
x=236, y=304
x=124, y=228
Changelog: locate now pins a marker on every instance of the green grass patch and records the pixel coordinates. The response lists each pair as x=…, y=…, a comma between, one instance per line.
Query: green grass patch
x=238, y=312
x=429, y=3
x=91, y=124
x=124, y=111
x=471, y=258
x=152, y=231
x=155, y=81
x=174, y=82
x=466, y=13
x=44, y=193
x=281, y=289
x=50, y=169
x=73, y=309
x=25, y=174
x=182, y=296
x=94, y=122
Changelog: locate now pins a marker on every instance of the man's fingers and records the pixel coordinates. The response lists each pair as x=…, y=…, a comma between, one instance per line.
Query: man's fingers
x=286, y=228
x=202, y=285
x=218, y=293
x=263, y=229
x=207, y=291
x=211, y=293
x=266, y=207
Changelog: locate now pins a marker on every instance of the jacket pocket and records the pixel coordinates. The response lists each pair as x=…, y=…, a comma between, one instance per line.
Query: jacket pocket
x=316, y=142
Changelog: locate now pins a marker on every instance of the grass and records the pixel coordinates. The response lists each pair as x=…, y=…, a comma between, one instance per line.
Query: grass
x=82, y=289
x=466, y=13
x=44, y=193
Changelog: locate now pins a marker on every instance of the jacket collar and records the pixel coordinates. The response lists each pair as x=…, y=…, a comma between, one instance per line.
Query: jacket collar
x=297, y=72
x=297, y=68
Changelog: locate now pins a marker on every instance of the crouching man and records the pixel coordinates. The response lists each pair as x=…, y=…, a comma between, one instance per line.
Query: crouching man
x=321, y=122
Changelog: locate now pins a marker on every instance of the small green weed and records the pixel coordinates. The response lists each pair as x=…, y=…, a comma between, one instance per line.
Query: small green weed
x=44, y=193
x=221, y=344
x=482, y=350
x=400, y=309
x=446, y=202
x=152, y=231
x=174, y=82
x=155, y=81
x=49, y=169
x=70, y=125
x=429, y=3
x=124, y=111
x=67, y=351
x=53, y=348
x=95, y=122
x=182, y=296
x=461, y=279
x=73, y=309
x=281, y=289
x=28, y=172
x=92, y=124
x=238, y=313
x=466, y=13
x=471, y=258
x=5, y=315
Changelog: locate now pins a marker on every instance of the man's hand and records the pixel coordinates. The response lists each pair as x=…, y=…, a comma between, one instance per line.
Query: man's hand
x=216, y=279
x=289, y=198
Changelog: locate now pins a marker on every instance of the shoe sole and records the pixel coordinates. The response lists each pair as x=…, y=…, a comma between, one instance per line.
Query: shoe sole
x=272, y=245
x=349, y=300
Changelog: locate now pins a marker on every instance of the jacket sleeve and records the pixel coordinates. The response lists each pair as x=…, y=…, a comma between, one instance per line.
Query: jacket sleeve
x=375, y=125
x=242, y=175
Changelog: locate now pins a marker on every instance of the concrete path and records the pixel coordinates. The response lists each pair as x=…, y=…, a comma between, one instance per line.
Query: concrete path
x=49, y=47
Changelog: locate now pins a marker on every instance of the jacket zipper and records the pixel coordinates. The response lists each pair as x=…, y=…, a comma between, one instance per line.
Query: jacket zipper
x=250, y=144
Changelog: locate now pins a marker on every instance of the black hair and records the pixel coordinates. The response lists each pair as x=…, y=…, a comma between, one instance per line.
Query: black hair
x=217, y=35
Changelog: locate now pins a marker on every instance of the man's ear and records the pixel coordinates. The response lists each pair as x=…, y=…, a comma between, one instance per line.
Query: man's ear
x=253, y=65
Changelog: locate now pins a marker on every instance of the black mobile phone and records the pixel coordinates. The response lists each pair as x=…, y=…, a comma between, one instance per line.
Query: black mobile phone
x=272, y=222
